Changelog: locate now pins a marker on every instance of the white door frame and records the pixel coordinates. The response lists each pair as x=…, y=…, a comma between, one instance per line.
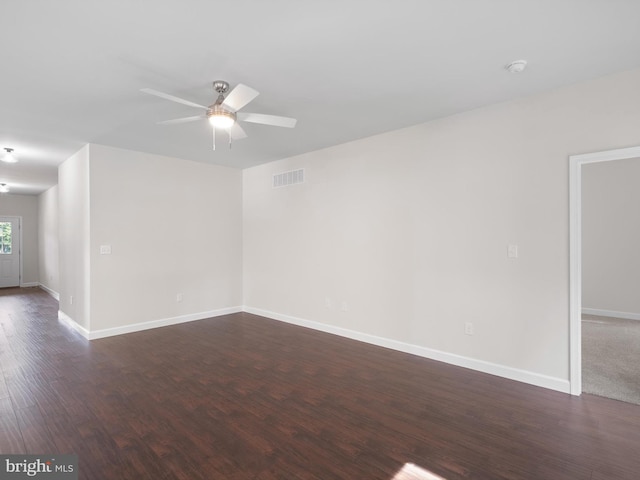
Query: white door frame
x=575, y=253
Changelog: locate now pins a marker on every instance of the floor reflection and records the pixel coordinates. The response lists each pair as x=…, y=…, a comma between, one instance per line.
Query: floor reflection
x=413, y=472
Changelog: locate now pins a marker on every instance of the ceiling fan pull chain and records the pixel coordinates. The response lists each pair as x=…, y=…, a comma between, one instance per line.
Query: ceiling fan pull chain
x=230, y=138
x=213, y=132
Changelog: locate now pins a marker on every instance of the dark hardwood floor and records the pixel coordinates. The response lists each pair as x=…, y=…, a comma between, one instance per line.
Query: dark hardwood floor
x=244, y=397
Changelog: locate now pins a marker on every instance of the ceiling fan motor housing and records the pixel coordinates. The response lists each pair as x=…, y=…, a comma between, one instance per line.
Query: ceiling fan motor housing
x=221, y=86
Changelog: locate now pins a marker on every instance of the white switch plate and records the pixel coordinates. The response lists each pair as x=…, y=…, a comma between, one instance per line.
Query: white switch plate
x=468, y=328
x=512, y=251
x=105, y=249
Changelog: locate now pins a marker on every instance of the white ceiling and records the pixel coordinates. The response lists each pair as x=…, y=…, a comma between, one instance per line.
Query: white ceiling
x=348, y=69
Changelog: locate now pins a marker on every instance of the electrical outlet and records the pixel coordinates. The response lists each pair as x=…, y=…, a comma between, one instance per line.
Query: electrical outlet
x=328, y=302
x=179, y=297
x=344, y=306
x=468, y=328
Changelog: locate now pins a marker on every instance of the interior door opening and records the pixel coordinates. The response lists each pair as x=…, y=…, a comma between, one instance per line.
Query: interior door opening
x=576, y=162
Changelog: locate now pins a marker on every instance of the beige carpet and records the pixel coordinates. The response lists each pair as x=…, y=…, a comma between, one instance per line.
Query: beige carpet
x=611, y=357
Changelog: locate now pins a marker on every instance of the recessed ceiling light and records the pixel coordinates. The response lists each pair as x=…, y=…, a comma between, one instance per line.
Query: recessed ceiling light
x=516, y=66
x=4, y=188
x=9, y=157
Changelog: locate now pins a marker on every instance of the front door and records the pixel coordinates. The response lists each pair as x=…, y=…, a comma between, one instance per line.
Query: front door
x=9, y=252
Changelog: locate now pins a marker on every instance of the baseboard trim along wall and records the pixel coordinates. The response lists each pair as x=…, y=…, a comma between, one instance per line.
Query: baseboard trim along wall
x=611, y=313
x=137, y=327
x=53, y=293
x=70, y=322
x=29, y=284
x=524, y=376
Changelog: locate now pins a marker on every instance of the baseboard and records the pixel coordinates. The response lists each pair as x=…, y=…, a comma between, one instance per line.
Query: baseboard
x=611, y=313
x=53, y=293
x=511, y=373
x=67, y=320
x=29, y=284
x=164, y=322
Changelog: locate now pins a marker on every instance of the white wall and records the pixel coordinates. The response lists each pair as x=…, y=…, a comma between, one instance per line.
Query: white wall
x=411, y=229
x=73, y=229
x=174, y=226
x=25, y=206
x=611, y=238
x=48, y=253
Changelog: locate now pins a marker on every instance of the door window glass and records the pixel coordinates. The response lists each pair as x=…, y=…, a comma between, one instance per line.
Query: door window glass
x=5, y=238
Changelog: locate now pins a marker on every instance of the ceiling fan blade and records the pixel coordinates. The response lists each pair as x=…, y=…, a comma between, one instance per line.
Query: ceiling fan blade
x=182, y=120
x=166, y=96
x=273, y=120
x=239, y=97
x=237, y=132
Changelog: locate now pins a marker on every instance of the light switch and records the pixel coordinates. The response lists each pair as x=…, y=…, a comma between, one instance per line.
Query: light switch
x=105, y=249
x=512, y=251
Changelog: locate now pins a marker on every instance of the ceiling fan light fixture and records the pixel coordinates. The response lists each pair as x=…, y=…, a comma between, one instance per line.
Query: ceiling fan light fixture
x=9, y=157
x=222, y=114
x=221, y=118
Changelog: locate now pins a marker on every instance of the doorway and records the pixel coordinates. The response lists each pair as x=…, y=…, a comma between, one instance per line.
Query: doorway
x=576, y=162
x=10, y=260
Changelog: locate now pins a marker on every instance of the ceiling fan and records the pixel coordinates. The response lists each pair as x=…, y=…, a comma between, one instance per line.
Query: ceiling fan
x=223, y=113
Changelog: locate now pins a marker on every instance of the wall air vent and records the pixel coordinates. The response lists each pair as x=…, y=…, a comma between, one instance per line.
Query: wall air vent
x=285, y=179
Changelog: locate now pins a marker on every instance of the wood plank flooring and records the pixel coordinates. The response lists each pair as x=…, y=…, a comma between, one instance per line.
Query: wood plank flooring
x=244, y=397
